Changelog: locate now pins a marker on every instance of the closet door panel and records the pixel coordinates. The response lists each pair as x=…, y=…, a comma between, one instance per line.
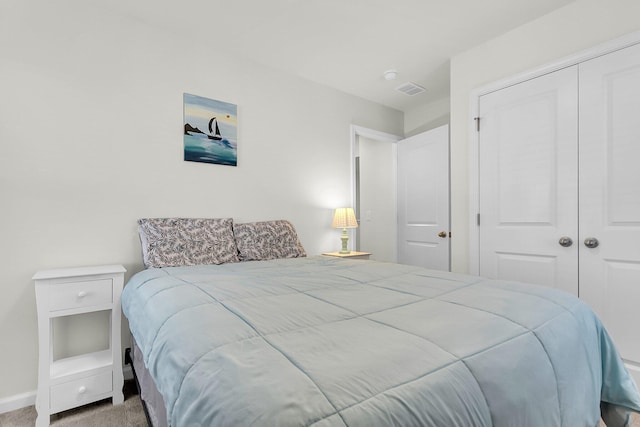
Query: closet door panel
x=610, y=194
x=528, y=181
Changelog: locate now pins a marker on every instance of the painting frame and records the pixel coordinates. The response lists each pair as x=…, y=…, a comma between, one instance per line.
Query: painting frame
x=210, y=130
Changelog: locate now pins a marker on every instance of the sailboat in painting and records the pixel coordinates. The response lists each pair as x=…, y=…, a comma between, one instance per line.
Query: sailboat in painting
x=213, y=124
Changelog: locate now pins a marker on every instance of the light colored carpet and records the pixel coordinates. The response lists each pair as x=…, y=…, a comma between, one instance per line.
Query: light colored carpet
x=97, y=414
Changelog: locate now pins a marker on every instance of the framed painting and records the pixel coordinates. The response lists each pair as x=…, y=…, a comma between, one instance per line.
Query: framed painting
x=210, y=131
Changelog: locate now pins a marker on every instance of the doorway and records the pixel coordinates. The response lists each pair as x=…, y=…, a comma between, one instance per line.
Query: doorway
x=399, y=220
x=374, y=161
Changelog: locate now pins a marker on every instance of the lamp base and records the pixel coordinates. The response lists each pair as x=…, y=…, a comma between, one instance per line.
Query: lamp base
x=345, y=239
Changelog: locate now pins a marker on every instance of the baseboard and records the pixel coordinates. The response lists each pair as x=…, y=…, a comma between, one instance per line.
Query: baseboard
x=23, y=400
x=17, y=401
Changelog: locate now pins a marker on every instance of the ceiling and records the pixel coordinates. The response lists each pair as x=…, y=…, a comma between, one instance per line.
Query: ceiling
x=345, y=44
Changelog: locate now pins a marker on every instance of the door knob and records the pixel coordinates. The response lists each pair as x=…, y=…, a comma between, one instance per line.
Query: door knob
x=565, y=241
x=591, y=242
x=442, y=234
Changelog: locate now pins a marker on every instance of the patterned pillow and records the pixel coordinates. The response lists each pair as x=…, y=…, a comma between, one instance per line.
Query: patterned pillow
x=170, y=242
x=267, y=240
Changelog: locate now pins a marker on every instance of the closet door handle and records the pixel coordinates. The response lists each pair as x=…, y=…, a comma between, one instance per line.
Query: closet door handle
x=591, y=242
x=565, y=241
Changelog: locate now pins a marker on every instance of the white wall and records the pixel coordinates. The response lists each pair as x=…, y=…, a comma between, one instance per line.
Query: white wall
x=428, y=116
x=569, y=30
x=91, y=139
x=378, y=201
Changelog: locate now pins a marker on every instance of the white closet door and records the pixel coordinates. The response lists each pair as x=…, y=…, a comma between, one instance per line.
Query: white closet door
x=610, y=195
x=528, y=181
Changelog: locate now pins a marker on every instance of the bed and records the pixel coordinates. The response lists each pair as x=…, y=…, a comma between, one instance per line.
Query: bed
x=275, y=338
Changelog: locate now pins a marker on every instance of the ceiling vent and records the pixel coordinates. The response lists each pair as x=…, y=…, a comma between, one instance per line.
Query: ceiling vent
x=410, y=89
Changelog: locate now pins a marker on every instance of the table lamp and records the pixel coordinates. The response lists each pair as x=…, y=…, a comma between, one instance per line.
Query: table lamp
x=344, y=218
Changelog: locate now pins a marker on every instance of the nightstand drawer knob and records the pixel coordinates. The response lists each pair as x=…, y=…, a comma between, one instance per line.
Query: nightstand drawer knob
x=82, y=390
x=82, y=294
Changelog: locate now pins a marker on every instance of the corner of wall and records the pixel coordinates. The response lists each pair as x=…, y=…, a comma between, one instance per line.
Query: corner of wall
x=427, y=116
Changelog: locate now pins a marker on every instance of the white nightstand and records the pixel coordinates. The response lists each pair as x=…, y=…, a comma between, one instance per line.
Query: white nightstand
x=78, y=380
x=350, y=255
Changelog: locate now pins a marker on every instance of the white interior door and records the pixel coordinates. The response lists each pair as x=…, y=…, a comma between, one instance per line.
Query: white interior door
x=528, y=154
x=423, y=199
x=610, y=196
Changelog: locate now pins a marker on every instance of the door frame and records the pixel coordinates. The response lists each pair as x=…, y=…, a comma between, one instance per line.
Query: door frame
x=474, y=138
x=359, y=131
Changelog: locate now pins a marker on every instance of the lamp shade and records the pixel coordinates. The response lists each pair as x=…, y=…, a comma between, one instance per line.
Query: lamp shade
x=344, y=218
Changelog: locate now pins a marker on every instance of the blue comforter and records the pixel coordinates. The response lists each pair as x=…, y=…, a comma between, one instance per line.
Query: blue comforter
x=330, y=342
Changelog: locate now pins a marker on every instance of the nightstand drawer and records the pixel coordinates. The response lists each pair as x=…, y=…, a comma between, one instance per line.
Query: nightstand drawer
x=79, y=392
x=80, y=294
